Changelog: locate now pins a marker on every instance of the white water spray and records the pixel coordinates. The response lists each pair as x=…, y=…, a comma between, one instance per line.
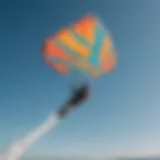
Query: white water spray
x=17, y=148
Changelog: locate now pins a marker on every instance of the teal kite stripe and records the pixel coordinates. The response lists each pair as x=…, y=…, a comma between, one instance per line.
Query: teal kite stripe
x=80, y=39
x=72, y=53
x=71, y=66
x=99, y=38
x=61, y=61
x=67, y=49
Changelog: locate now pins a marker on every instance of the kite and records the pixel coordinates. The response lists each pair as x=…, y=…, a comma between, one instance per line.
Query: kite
x=85, y=45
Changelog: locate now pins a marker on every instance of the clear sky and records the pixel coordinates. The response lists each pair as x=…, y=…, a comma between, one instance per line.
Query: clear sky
x=123, y=113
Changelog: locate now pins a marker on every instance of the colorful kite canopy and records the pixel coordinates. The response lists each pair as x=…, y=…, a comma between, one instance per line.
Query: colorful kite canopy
x=84, y=45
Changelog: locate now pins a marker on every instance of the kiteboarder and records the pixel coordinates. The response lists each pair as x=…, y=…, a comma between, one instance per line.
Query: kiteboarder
x=80, y=94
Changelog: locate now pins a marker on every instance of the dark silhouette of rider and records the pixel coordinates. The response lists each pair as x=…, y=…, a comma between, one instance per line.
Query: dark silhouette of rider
x=79, y=95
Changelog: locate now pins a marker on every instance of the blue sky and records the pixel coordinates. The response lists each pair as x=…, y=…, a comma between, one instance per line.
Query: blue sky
x=123, y=113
